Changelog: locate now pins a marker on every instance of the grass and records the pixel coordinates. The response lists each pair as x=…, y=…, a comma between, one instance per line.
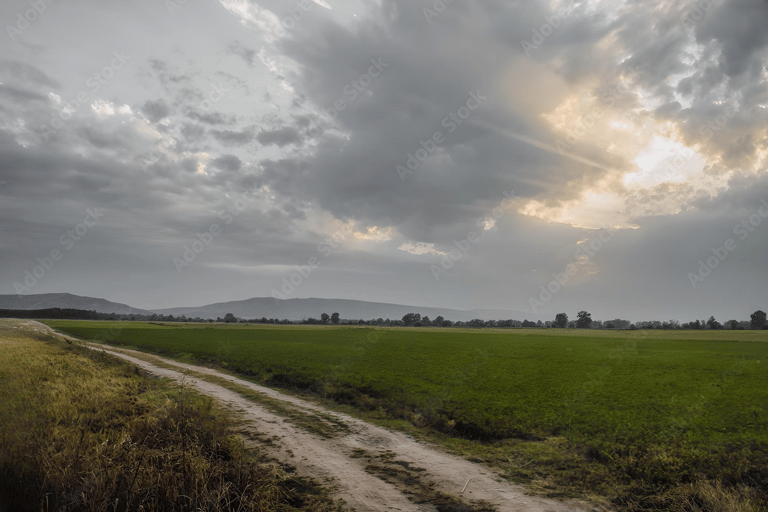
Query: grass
x=318, y=423
x=82, y=431
x=411, y=481
x=654, y=420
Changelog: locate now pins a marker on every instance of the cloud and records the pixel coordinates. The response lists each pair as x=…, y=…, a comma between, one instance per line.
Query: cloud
x=231, y=107
x=212, y=118
x=419, y=248
x=232, y=137
x=156, y=110
x=227, y=163
x=280, y=138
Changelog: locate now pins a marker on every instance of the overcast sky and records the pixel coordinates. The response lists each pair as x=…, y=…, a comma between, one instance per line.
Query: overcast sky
x=136, y=126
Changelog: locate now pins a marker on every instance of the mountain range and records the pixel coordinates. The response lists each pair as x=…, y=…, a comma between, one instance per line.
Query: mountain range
x=258, y=307
x=67, y=301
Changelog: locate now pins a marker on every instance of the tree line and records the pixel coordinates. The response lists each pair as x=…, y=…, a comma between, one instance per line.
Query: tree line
x=583, y=320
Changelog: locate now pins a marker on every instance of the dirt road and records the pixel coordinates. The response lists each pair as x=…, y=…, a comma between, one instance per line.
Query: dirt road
x=371, y=468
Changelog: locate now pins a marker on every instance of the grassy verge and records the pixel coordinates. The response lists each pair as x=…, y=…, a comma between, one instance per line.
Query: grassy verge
x=318, y=423
x=82, y=431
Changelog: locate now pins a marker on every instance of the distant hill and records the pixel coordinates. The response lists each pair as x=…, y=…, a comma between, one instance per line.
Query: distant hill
x=66, y=301
x=299, y=309
x=291, y=309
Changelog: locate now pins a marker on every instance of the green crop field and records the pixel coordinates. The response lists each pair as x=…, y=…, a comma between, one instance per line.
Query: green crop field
x=632, y=415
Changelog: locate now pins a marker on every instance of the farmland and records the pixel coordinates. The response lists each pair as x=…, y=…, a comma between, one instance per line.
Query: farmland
x=80, y=430
x=646, y=418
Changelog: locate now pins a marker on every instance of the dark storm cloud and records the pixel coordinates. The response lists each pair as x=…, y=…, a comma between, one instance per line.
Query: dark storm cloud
x=232, y=137
x=244, y=53
x=739, y=26
x=300, y=175
x=156, y=110
x=421, y=85
x=280, y=138
x=193, y=132
x=228, y=163
x=212, y=118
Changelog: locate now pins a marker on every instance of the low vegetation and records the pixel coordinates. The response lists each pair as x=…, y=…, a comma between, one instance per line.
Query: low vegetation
x=82, y=431
x=410, y=479
x=654, y=420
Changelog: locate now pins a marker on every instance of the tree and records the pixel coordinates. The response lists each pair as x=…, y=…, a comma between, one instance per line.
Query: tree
x=324, y=318
x=733, y=325
x=411, y=318
x=713, y=324
x=757, y=320
x=426, y=321
x=230, y=318
x=335, y=318
x=561, y=320
x=584, y=321
x=610, y=325
x=438, y=321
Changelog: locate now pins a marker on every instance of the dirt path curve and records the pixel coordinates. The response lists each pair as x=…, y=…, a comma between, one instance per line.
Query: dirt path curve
x=331, y=460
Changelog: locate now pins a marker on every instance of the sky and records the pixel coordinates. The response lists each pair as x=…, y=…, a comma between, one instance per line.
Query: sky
x=537, y=157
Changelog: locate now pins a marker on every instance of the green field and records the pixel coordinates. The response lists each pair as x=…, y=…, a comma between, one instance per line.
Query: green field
x=633, y=415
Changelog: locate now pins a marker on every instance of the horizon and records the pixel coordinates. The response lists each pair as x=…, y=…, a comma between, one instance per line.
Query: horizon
x=416, y=309
x=549, y=157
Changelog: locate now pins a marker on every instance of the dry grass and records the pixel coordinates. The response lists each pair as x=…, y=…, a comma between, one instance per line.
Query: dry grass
x=702, y=496
x=81, y=431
